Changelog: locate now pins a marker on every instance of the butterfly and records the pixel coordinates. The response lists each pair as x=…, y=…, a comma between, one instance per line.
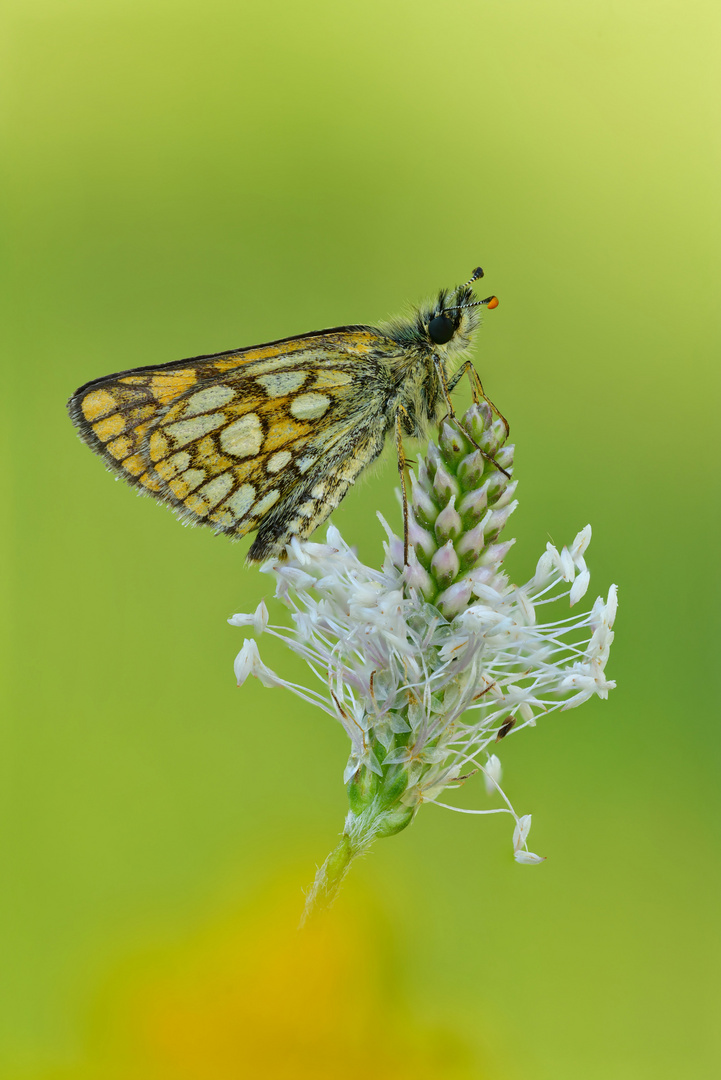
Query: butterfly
x=271, y=437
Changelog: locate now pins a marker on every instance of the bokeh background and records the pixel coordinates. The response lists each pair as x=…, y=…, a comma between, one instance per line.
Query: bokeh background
x=186, y=177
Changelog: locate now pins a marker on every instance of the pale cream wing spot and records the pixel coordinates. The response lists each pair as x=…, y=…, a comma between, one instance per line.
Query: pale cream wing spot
x=186, y=431
x=209, y=399
x=331, y=379
x=278, y=461
x=217, y=488
x=282, y=383
x=318, y=492
x=264, y=504
x=244, y=437
x=309, y=406
x=241, y=500
x=305, y=462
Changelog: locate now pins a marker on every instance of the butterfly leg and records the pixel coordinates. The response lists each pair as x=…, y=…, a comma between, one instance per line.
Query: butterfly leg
x=477, y=390
x=401, y=457
x=451, y=411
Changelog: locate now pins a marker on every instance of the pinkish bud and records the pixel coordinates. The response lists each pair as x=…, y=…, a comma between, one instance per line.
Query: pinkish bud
x=473, y=505
x=423, y=506
x=452, y=443
x=444, y=484
x=471, y=469
x=445, y=565
x=448, y=524
x=471, y=544
x=455, y=598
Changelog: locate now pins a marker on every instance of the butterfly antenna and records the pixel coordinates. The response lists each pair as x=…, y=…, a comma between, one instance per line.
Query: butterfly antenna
x=477, y=273
x=490, y=302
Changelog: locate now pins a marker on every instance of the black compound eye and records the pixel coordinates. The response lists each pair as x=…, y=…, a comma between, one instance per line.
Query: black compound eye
x=441, y=329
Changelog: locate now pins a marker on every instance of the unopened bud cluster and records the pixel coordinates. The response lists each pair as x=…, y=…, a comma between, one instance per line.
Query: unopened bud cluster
x=461, y=499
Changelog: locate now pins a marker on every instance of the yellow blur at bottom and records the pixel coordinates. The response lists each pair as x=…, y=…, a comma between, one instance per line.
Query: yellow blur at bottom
x=253, y=996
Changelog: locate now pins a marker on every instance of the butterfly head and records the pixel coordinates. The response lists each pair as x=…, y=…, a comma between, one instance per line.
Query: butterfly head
x=453, y=318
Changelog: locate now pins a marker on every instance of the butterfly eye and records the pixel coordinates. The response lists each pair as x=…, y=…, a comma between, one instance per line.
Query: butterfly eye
x=440, y=329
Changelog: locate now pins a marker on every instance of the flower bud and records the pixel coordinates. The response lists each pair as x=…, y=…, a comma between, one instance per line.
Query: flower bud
x=470, y=545
x=494, y=436
x=477, y=419
x=448, y=524
x=419, y=578
x=471, y=469
x=453, y=444
x=432, y=461
x=506, y=495
x=454, y=599
x=495, y=520
x=424, y=507
x=445, y=565
x=420, y=540
x=444, y=484
x=496, y=553
x=473, y=505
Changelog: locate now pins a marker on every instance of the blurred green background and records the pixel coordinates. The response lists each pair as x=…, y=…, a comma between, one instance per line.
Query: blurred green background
x=187, y=177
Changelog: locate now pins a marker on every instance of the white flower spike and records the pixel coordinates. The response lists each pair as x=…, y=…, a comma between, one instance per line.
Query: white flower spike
x=428, y=666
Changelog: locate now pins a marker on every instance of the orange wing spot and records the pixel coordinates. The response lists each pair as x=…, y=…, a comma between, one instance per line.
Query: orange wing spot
x=229, y=363
x=282, y=433
x=135, y=465
x=139, y=432
x=245, y=471
x=120, y=448
x=221, y=517
x=158, y=446
x=360, y=341
x=197, y=505
x=141, y=412
x=98, y=403
x=165, y=388
x=135, y=380
x=245, y=405
x=112, y=425
x=189, y=481
x=207, y=456
x=150, y=482
x=175, y=412
x=244, y=526
x=179, y=488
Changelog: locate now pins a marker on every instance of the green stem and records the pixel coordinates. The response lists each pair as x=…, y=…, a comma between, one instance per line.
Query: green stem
x=359, y=833
x=328, y=879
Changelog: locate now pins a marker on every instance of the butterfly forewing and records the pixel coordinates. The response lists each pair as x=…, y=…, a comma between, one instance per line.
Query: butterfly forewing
x=270, y=436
